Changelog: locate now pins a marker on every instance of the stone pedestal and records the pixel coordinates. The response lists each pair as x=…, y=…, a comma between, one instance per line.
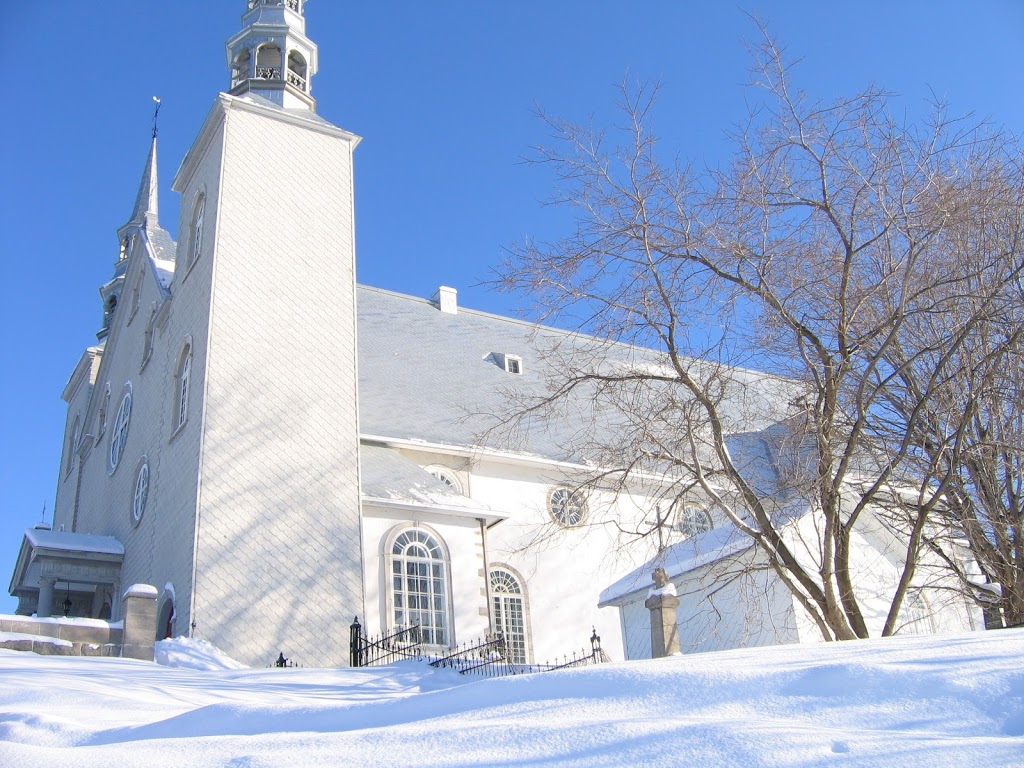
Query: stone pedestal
x=139, y=605
x=664, y=632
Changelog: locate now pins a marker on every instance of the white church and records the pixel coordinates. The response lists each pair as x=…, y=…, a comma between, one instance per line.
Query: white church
x=278, y=450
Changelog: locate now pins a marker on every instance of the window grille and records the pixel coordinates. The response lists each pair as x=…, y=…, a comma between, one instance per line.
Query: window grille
x=419, y=586
x=509, y=614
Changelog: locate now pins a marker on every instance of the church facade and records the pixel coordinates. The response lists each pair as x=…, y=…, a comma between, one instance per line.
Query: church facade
x=279, y=450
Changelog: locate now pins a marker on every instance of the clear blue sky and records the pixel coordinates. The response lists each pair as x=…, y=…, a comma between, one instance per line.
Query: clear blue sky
x=443, y=94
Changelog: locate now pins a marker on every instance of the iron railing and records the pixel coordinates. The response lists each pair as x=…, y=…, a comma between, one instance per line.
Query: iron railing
x=403, y=643
x=487, y=657
x=268, y=73
x=293, y=4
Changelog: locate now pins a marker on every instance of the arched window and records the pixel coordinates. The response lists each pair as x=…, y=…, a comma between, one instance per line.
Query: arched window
x=165, y=624
x=147, y=343
x=242, y=67
x=916, y=616
x=136, y=298
x=109, y=307
x=101, y=417
x=119, y=433
x=447, y=477
x=141, y=495
x=69, y=454
x=419, y=586
x=182, y=381
x=268, y=62
x=508, y=604
x=297, y=70
x=196, y=246
x=693, y=521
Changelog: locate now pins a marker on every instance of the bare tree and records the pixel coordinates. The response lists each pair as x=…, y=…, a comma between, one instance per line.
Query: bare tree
x=839, y=250
x=970, y=434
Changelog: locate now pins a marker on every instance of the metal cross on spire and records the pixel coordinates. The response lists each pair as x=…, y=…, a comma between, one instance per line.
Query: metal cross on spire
x=156, y=115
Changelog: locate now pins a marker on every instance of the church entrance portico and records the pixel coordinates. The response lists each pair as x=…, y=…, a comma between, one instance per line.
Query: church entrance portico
x=68, y=574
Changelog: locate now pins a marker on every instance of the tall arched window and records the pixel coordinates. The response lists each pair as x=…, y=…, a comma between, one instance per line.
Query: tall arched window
x=508, y=604
x=297, y=70
x=69, y=455
x=242, y=67
x=182, y=382
x=101, y=417
x=916, y=617
x=197, y=230
x=119, y=432
x=147, y=340
x=419, y=586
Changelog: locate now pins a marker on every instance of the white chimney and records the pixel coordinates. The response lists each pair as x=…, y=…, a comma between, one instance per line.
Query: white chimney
x=446, y=300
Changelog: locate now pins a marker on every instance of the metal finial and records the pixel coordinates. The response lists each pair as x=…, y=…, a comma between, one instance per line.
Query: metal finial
x=42, y=517
x=156, y=114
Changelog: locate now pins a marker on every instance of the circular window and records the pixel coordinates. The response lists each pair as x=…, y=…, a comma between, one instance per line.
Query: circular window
x=119, y=434
x=141, y=492
x=693, y=521
x=567, y=507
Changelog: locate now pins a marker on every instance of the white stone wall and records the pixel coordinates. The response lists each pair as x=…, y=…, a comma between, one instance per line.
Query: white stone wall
x=279, y=555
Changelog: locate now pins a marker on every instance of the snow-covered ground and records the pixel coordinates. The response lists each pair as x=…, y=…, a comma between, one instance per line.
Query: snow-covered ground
x=921, y=702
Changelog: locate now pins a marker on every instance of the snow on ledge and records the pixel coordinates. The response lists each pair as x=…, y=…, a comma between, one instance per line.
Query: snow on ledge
x=14, y=636
x=142, y=590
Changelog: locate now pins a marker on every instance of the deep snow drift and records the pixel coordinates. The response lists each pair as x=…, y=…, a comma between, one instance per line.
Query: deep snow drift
x=922, y=702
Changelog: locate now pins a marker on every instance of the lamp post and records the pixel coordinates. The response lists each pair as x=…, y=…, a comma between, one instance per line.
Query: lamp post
x=67, y=602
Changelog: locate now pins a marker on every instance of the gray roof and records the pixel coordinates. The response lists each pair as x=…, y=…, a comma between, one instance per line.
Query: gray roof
x=431, y=376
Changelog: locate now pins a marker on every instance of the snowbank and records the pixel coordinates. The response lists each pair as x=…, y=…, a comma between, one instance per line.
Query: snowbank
x=936, y=701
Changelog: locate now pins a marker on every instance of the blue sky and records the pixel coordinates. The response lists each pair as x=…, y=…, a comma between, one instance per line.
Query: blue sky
x=444, y=95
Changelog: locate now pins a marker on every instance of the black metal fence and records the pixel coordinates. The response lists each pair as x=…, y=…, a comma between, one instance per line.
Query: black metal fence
x=403, y=643
x=487, y=657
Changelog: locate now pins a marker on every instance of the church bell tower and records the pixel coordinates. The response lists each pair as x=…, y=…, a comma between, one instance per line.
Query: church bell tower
x=265, y=289
x=272, y=57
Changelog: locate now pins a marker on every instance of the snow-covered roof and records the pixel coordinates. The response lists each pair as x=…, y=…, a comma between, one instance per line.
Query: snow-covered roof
x=677, y=560
x=65, y=541
x=389, y=478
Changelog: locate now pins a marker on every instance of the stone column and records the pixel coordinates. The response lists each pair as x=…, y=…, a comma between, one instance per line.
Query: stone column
x=45, y=608
x=139, y=637
x=664, y=632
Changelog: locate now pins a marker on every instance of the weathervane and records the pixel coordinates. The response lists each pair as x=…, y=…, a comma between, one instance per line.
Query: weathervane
x=156, y=114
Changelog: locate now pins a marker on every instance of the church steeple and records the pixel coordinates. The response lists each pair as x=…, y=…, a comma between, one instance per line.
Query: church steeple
x=145, y=216
x=271, y=56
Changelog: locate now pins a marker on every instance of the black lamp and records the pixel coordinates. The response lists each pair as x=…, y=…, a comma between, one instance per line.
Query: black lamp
x=67, y=602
